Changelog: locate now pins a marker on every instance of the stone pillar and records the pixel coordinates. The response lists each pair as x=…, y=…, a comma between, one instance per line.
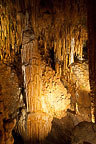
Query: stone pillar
x=38, y=122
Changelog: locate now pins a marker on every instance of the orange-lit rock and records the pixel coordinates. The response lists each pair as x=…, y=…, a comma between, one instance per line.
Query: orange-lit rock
x=43, y=77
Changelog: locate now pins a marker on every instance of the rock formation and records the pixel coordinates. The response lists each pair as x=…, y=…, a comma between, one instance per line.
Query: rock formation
x=44, y=73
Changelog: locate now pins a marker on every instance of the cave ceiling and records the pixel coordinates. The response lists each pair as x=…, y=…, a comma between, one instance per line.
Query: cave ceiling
x=49, y=21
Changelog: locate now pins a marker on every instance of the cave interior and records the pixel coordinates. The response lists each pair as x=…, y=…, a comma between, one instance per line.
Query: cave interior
x=47, y=72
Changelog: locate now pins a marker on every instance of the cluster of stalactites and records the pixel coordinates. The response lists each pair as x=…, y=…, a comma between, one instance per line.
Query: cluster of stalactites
x=10, y=35
x=66, y=49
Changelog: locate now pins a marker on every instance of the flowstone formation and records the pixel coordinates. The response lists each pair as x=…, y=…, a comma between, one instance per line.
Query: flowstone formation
x=79, y=90
x=44, y=76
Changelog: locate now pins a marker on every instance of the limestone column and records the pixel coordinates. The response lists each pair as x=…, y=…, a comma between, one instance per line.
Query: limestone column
x=38, y=122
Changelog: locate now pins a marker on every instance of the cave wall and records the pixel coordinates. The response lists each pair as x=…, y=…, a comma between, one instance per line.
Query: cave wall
x=91, y=6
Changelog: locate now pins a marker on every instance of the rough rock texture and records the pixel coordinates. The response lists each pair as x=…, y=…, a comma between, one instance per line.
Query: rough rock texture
x=9, y=102
x=80, y=76
x=63, y=131
x=8, y=127
x=55, y=99
x=9, y=89
x=45, y=94
x=42, y=38
x=60, y=132
x=84, y=133
x=77, y=84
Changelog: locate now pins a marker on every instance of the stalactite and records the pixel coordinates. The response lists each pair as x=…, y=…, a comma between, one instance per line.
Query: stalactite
x=45, y=47
x=60, y=46
x=8, y=31
x=72, y=51
x=64, y=53
x=81, y=47
x=66, y=61
x=55, y=46
x=38, y=122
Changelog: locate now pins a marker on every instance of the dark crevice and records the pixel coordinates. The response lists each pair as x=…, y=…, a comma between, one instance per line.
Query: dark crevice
x=51, y=51
x=17, y=66
x=17, y=138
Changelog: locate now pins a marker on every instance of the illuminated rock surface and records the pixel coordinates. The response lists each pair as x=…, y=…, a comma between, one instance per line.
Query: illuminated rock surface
x=9, y=102
x=45, y=81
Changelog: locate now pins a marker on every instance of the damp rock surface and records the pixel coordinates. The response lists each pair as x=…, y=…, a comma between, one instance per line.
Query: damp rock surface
x=9, y=103
x=83, y=133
